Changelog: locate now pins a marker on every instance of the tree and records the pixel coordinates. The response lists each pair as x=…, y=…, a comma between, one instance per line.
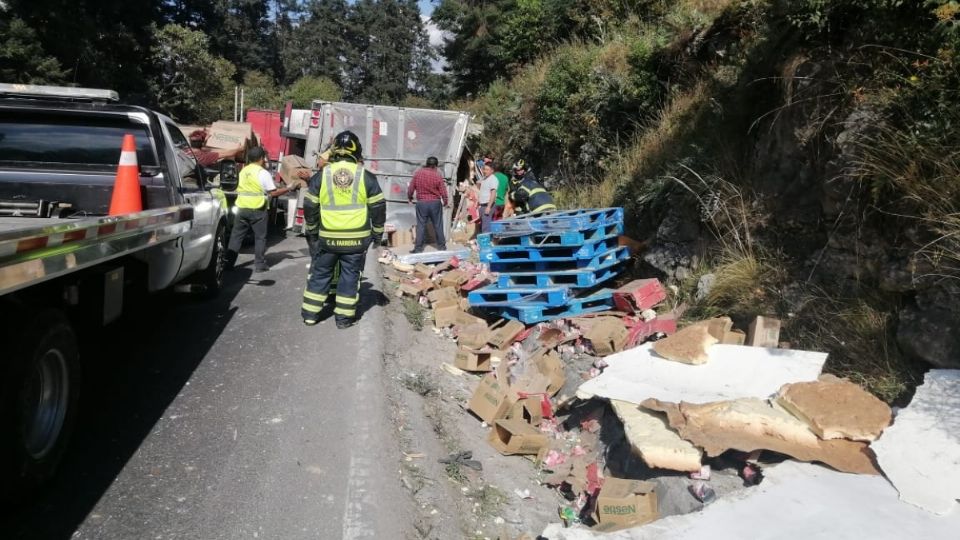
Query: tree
x=318, y=44
x=22, y=59
x=192, y=84
x=259, y=91
x=306, y=89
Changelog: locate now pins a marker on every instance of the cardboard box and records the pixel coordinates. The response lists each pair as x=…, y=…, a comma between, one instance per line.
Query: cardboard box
x=764, y=332
x=454, y=278
x=515, y=436
x=400, y=238
x=717, y=327
x=473, y=336
x=422, y=271
x=290, y=166
x=734, y=337
x=608, y=335
x=446, y=315
x=639, y=295
x=416, y=289
x=550, y=365
x=528, y=409
x=443, y=296
x=492, y=399
x=626, y=503
x=505, y=334
x=470, y=360
x=228, y=135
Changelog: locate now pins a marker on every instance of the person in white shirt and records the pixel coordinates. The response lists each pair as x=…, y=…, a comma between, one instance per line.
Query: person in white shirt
x=488, y=195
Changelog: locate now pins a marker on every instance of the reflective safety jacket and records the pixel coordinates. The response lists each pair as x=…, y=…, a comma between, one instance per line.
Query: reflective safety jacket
x=529, y=196
x=344, y=207
x=250, y=193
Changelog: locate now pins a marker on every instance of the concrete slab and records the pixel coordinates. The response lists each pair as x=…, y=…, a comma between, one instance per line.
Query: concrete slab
x=920, y=452
x=654, y=441
x=734, y=371
x=795, y=500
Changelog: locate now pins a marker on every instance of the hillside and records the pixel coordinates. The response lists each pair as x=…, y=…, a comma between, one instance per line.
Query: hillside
x=800, y=159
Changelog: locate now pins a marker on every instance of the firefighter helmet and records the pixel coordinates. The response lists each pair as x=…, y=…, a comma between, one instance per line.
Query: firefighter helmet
x=347, y=144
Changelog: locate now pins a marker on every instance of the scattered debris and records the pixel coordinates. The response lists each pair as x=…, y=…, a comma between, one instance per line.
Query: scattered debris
x=625, y=503
x=654, y=441
x=464, y=458
x=688, y=346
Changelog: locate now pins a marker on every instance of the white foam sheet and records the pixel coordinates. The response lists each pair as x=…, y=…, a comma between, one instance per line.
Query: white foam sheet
x=795, y=501
x=733, y=372
x=920, y=452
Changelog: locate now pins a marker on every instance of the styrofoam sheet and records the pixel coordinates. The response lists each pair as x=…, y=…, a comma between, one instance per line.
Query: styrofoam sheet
x=734, y=371
x=795, y=501
x=920, y=452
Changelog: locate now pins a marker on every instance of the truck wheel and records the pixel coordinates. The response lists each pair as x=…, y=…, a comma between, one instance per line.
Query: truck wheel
x=39, y=404
x=212, y=276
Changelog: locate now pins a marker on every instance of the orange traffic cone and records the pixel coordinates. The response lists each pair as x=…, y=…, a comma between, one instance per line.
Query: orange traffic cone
x=126, y=188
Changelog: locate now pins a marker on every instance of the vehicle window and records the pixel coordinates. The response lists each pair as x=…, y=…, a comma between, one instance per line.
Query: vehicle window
x=177, y=137
x=70, y=140
x=186, y=162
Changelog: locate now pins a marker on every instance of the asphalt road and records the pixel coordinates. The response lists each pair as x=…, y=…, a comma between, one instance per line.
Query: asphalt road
x=229, y=419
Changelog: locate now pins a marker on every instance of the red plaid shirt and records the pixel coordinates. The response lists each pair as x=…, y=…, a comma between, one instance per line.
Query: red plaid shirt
x=428, y=185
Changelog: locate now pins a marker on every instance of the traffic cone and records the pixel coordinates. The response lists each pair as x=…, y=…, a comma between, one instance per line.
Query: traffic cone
x=126, y=188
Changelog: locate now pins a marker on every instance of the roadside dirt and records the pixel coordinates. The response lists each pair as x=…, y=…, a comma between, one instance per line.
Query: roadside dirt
x=429, y=403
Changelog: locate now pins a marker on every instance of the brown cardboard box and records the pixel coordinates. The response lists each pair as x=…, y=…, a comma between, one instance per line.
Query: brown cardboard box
x=473, y=336
x=550, y=365
x=527, y=409
x=422, y=271
x=400, y=238
x=503, y=335
x=515, y=436
x=492, y=399
x=416, y=289
x=454, y=278
x=443, y=295
x=734, y=337
x=469, y=360
x=446, y=315
x=764, y=332
x=717, y=327
x=626, y=503
x=608, y=335
x=227, y=135
x=290, y=166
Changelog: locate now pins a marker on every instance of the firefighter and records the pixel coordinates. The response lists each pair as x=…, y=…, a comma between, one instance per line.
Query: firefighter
x=344, y=210
x=526, y=194
x=253, y=196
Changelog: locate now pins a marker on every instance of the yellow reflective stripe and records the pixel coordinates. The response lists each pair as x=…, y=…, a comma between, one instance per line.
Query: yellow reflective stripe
x=353, y=235
x=534, y=191
x=314, y=296
x=311, y=308
x=543, y=208
x=347, y=301
x=378, y=229
x=345, y=312
x=311, y=197
x=376, y=198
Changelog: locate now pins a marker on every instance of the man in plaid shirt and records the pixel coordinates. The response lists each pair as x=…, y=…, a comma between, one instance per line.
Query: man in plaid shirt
x=431, y=192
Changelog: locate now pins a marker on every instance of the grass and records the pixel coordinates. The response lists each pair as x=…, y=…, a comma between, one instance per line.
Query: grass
x=491, y=499
x=859, y=334
x=414, y=312
x=422, y=382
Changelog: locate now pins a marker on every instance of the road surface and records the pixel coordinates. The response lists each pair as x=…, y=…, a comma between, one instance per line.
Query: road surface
x=230, y=419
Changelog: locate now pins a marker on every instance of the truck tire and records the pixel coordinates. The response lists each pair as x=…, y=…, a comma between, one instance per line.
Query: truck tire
x=38, y=403
x=212, y=276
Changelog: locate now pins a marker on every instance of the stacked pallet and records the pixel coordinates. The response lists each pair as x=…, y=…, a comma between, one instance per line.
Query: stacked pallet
x=551, y=266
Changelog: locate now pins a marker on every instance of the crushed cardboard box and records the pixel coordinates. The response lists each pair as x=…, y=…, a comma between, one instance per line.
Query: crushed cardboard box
x=504, y=334
x=443, y=296
x=470, y=360
x=751, y=424
x=454, y=278
x=549, y=364
x=473, y=336
x=492, y=399
x=625, y=503
x=836, y=408
x=607, y=335
x=514, y=436
x=639, y=295
x=734, y=337
x=290, y=166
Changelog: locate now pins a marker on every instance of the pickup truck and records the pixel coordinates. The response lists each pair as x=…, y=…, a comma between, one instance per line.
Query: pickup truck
x=65, y=263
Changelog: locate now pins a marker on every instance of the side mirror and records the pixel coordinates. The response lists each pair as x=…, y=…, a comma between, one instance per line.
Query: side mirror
x=229, y=175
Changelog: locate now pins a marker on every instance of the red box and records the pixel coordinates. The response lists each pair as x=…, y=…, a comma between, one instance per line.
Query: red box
x=639, y=295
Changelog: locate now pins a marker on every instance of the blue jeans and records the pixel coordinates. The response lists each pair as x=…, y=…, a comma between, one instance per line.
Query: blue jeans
x=431, y=211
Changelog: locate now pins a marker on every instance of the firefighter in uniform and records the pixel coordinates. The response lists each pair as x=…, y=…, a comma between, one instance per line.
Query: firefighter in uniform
x=344, y=210
x=526, y=194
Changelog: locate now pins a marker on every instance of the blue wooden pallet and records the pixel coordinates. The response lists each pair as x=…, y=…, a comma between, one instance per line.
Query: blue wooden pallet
x=554, y=222
x=579, y=279
x=598, y=231
x=598, y=301
x=524, y=254
x=493, y=296
x=620, y=253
